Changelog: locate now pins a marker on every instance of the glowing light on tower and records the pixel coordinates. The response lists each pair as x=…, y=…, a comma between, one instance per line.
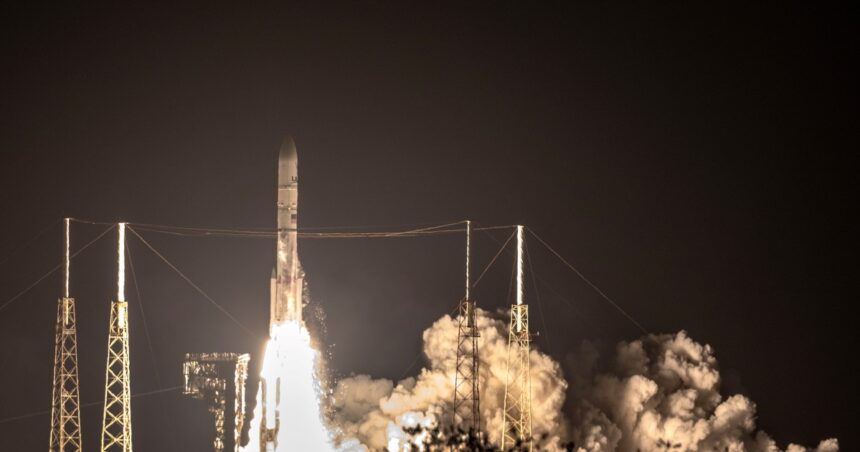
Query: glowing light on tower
x=116, y=417
x=517, y=426
x=65, y=400
x=120, y=275
x=467, y=400
x=67, y=260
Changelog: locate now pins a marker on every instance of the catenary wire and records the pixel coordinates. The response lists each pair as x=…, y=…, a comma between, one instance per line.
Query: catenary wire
x=305, y=232
x=191, y=283
x=28, y=242
x=537, y=298
x=168, y=424
x=88, y=404
x=567, y=302
x=418, y=355
x=493, y=260
x=587, y=281
x=60, y=265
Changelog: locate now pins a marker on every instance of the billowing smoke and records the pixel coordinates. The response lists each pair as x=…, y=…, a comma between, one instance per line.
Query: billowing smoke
x=374, y=411
x=660, y=392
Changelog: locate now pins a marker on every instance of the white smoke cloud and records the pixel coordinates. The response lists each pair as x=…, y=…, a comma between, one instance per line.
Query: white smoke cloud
x=660, y=392
x=424, y=400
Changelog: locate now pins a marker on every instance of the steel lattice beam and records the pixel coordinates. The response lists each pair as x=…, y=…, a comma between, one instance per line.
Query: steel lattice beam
x=65, y=400
x=116, y=420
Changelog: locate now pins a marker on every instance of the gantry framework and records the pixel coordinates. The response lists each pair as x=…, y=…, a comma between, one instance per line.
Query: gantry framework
x=219, y=380
x=517, y=426
x=467, y=399
x=116, y=419
x=65, y=399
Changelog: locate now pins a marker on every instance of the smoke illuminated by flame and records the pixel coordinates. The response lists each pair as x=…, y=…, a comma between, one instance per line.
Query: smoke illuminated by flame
x=290, y=361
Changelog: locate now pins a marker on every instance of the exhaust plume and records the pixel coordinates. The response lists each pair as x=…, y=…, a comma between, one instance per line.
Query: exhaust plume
x=660, y=392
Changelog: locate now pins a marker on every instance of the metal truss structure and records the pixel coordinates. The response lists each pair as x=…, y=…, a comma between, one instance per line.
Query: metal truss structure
x=116, y=420
x=65, y=400
x=467, y=396
x=517, y=425
x=219, y=380
x=467, y=399
x=518, y=414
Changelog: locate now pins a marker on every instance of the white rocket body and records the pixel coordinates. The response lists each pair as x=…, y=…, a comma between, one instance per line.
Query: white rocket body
x=288, y=277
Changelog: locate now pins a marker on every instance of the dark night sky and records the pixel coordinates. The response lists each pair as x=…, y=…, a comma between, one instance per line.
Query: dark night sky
x=691, y=160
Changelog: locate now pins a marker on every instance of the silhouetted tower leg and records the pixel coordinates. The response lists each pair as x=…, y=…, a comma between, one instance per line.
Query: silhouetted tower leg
x=116, y=421
x=65, y=399
x=517, y=426
x=467, y=400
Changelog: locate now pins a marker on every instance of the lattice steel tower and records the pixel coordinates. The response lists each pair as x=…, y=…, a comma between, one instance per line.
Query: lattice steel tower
x=467, y=399
x=517, y=426
x=65, y=398
x=116, y=420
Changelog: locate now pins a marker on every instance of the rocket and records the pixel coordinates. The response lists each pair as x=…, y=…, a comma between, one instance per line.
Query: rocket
x=287, y=281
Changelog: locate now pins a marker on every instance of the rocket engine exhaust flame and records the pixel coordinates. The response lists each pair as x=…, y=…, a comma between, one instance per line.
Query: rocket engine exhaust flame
x=287, y=415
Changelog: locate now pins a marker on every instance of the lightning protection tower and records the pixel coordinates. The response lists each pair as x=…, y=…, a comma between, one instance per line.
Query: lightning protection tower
x=467, y=400
x=116, y=420
x=517, y=426
x=65, y=398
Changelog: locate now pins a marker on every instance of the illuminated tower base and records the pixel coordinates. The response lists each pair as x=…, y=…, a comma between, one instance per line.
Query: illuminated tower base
x=467, y=401
x=116, y=423
x=517, y=428
x=65, y=402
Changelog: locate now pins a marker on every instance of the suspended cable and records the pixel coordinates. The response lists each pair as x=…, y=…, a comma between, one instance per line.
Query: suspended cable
x=28, y=242
x=168, y=424
x=305, y=235
x=100, y=402
x=418, y=355
x=143, y=316
x=587, y=281
x=569, y=303
x=191, y=283
x=60, y=265
x=578, y=314
x=537, y=297
x=305, y=232
x=494, y=258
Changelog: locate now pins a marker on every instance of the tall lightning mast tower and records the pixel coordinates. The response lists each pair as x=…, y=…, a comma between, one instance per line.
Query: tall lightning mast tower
x=517, y=426
x=65, y=399
x=116, y=421
x=467, y=400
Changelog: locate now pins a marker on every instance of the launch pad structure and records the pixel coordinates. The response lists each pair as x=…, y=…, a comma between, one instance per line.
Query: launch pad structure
x=467, y=396
x=65, y=397
x=116, y=418
x=517, y=426
x=219, y=380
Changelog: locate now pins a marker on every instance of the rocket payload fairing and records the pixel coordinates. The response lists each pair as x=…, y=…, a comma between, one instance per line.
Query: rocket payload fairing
x=287, y=282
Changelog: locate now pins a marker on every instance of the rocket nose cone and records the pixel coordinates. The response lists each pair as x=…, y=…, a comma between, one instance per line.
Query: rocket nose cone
x=288, y=149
